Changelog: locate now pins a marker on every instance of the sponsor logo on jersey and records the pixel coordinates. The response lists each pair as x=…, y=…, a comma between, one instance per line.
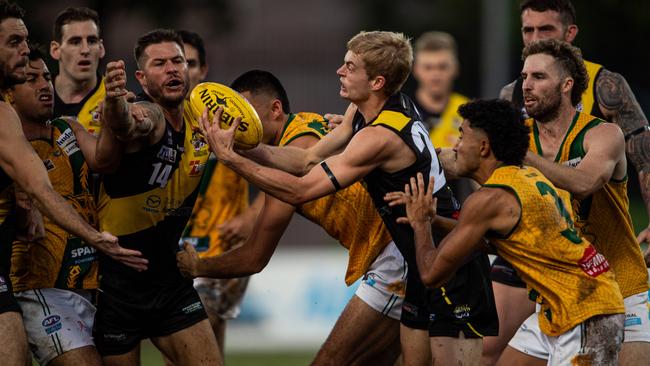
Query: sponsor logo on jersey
x=166, y=153
x=153, y=201
x=573, y=162
x=68, y=142
x=196, y=168
x=52, y=324
x=82, y=252
x=593, y=263
x=49, y=164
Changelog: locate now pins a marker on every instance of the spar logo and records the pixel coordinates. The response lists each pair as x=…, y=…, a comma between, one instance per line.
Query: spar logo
x=52, y=324
x=593, y=263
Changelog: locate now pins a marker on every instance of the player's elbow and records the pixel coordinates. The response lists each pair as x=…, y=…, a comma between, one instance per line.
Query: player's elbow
x=431, y=278
x=257, y=264
x=587, y=187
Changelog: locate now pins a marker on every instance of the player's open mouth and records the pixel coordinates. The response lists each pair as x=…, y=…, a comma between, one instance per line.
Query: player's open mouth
x=174, y=84
x=84, y=63
x=46, y=99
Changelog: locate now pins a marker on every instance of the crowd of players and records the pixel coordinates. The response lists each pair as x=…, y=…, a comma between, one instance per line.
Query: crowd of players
x=79, y=152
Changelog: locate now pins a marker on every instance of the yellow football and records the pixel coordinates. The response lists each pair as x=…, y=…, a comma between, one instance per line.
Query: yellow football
x=213, y=95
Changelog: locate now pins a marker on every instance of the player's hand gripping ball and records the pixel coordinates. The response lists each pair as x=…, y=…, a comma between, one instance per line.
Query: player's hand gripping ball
x=213, y=95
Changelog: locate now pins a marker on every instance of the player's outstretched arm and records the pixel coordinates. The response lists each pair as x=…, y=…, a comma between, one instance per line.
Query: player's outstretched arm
x=358, y=159
x=487, y=209
x=618, y=104
x=299, y=161
x=605, y=150
x=248, y=259
x=19, y=160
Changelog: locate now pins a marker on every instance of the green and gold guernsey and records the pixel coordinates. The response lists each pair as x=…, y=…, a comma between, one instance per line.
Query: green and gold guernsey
x=87, y=110
x=603, y=218
x=149, y=199
x=59, y=260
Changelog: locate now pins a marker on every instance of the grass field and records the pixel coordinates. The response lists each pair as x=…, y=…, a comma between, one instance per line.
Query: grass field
x=151, y=357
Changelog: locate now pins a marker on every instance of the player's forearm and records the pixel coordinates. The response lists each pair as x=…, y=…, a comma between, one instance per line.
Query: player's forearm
x=425, y=254
x=52, y=205
x=116, y=116
x=279, y=184
x=286, y=158
x=579, y=183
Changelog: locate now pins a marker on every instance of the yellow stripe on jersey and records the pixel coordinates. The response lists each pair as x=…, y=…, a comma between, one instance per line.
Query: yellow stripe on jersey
x=131, y=214
x=347, y=215
x=89, y=114
x=446, y=133
x=604, y=217
x=587, y=100
x=395, y=120
x=562, y=270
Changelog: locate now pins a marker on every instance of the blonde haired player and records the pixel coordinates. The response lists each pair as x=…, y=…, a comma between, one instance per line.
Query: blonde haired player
x=382, y=143
x=529, y=222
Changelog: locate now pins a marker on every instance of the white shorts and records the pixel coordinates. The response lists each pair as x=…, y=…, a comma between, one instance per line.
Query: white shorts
x=529, y=338
x=221, y=297
x=384, y=284
x=582, y=340
x=56, y=321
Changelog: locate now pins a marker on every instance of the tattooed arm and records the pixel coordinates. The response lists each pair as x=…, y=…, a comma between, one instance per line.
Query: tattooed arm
x=618, y=104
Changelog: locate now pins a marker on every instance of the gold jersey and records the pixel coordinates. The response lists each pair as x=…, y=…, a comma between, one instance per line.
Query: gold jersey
x=348, y=215
x=148, y=201
x=87, y=111
x=60, y=260
x=603, y=218
x=223, y=195
x=446, y=132
x=562, y=270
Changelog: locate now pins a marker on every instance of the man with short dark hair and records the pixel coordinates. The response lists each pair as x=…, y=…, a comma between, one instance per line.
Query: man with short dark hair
x=58, y=270
x=153, y=172
x=529, y=222
x=585, y=156
x=78, y=47
x=19, y=163
x=607, y=96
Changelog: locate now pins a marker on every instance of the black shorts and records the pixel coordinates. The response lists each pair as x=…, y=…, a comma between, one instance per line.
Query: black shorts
x=128, y=312
x=465, y=303
x=415, y=307
x=503, y=272
x=7, y=300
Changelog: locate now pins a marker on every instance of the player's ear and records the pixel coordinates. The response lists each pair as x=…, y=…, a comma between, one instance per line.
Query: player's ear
x=485, y=148
x=55, y=50
x=567, y=85
x=377, y=83
x=139, y=75
x=571, y=33
x=102, y=50
x=276, y=108
x=204, y=71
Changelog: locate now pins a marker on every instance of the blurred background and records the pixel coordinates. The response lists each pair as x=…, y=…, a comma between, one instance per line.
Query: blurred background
x=291, y=306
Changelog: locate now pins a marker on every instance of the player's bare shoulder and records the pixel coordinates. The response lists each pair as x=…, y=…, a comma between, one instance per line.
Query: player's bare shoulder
x=507, y=91
x=618, y=103
x=496, y=207
x=10, y=123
